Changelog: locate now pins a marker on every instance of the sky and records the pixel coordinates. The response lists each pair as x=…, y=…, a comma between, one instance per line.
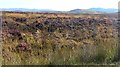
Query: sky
x=62, y=5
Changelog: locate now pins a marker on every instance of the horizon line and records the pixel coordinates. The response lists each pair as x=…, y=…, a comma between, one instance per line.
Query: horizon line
x=54, y=9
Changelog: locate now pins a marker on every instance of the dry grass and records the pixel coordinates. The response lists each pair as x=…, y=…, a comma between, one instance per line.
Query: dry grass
x=47, y=44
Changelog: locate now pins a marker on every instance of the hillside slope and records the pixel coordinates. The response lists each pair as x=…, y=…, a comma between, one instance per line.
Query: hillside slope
x=59, y=38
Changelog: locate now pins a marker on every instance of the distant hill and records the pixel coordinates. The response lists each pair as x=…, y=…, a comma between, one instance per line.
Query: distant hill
x=27, y=10
x=109, y=10
x=76, y=11
x=84, y=11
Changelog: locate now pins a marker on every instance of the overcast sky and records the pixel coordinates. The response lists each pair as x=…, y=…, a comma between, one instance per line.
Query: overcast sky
x=63, y=5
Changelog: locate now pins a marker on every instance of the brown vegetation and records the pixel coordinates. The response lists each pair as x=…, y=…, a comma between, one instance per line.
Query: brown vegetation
x=58, y=38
